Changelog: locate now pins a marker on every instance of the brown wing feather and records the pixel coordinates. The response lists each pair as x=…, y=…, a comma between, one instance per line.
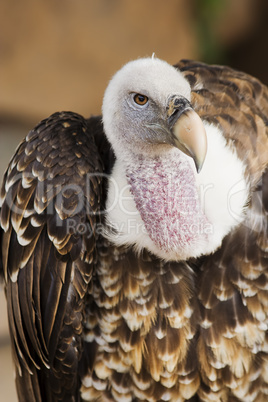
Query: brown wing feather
x=233, y=283
x=50, y=188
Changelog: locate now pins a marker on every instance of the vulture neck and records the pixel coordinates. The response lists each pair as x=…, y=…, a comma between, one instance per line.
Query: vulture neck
x=153, y=203
x=159, y=202
x=166, y=196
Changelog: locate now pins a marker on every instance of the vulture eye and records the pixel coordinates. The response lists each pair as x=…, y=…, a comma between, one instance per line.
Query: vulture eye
x=140, y=99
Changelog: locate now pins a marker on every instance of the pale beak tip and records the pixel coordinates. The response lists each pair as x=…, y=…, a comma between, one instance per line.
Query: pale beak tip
x=198, y=165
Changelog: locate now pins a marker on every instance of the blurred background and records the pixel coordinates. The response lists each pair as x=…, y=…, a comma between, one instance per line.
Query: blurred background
x=59, y=55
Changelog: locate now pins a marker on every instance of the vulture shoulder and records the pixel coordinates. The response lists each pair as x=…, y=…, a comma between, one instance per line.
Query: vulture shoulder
x=50, y=203
x=235, y=102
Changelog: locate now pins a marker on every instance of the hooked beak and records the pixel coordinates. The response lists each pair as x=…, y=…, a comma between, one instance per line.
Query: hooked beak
x=187, y=129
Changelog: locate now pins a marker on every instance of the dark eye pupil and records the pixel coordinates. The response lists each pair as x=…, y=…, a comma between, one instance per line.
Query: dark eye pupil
x=141, y=98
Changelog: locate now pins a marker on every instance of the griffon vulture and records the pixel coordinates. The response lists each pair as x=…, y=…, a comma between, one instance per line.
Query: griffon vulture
x=134, y=244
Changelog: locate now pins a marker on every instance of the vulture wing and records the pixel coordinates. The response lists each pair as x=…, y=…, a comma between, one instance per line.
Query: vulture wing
x=233, y=282
x=50, y=201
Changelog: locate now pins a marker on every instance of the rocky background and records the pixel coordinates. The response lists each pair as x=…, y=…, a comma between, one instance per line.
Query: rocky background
x=59, y=55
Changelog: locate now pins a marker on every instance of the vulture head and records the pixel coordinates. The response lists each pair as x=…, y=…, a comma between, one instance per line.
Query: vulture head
x=177, y=187
x=141, y=108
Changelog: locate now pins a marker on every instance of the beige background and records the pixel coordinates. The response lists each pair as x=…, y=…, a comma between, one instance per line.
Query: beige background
x=59, y=55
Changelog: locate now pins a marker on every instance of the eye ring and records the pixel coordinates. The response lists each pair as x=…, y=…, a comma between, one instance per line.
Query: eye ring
x=140, y=99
